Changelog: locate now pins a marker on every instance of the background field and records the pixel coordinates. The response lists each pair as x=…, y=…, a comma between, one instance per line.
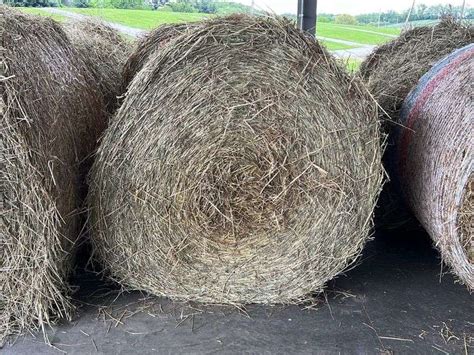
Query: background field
x=36, y=11
x=336, y=37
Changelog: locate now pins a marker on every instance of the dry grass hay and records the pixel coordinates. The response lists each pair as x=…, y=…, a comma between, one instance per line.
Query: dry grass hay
x=243, y=167
x=393, y=69
x=152, y=42
x=104, y=51
x=435, y=158
x=51, y=115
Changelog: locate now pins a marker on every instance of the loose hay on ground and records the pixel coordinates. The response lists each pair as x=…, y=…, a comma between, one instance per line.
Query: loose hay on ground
x=104, y=51
x=51, y=115
x=394, y=68
x=242, y=167
x=434, y=158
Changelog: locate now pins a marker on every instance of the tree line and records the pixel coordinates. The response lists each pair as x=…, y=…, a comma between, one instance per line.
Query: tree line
x=420, y=12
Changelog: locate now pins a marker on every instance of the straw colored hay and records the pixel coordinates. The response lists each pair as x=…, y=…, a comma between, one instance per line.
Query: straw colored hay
x=152, y=42
x=435, y=158
x=242, y=167
x=393, y=69
x=51, y=115
x=104, y=51
x=466, y=220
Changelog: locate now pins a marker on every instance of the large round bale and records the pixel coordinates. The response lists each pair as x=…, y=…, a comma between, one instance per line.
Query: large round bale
x=149, y=44
x=435, y=158
x=243, y=167
x=51, y=114
x=104, y=51
x=393, y=69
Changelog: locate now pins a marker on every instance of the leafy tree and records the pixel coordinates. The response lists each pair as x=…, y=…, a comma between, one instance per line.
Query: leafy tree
x=182, y=6
x=346, y=19
x=205, y=6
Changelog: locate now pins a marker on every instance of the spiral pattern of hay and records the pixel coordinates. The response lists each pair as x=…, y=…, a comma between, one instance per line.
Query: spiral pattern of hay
x=104, y=51
x=435, y=158
x=393, y=69
x=242, y=167
x=152, y=42
x=51, y=114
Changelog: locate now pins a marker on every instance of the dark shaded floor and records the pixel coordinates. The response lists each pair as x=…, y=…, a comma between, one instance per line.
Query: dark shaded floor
x=394, y=301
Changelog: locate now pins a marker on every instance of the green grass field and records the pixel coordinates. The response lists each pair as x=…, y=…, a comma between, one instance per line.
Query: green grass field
x=146, y=19
x=36, y=11
x=381, y=30
x=143, y=19
x=334, y=46
x=352, y=34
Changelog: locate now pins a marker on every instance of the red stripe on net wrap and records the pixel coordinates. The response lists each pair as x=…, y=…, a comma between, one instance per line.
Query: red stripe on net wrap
x=417, y=99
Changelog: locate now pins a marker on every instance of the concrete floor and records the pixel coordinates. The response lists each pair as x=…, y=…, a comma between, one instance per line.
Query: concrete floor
x=394, y=302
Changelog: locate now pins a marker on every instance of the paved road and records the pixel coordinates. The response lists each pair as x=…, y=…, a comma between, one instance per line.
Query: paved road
x=361, y=52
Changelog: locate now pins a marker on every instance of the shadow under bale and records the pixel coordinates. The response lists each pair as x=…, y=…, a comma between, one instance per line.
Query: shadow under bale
x=434, y=158
x=393, y=69
x=243, y=167
x=51, y=116
x=105, y=52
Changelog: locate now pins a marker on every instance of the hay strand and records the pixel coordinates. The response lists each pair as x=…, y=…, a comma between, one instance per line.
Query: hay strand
x=394, y=68
x=104, y=51
x=51, y=116
x=435, y=159
x=242, y=167
x=152, y=42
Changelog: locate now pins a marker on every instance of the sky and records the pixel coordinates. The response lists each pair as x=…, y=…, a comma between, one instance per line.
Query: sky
x=353, y=7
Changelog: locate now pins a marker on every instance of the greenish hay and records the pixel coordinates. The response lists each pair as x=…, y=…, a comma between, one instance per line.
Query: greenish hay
x=242, y=167
x=394, y=68
x=152, y=43
x=51, y=116
x=105, y=52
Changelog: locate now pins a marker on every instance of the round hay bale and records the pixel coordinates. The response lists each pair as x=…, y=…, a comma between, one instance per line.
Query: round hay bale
x=242, y=167
x=104, y=51
x=51, y=115
x=434, y=158
x=393, y=69
x=152, y=42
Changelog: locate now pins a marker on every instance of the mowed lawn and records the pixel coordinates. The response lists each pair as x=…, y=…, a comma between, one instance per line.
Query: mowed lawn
x=36, y=11
x=367, y=35
x=143, y=19
x=147, y=19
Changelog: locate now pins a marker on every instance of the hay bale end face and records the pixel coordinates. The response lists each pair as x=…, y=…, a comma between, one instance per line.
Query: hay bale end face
x=393, y=69
x=105, y=53
x=151, y=43
x=51, y=114
x=435, y=158
x=243, y=167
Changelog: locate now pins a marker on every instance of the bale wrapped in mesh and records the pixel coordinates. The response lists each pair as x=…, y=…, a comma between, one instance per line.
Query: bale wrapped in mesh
x=242, y=167
x=51, y=113
x=105, y=53
x=394, y=68
x=434, y=158
x=152, y=42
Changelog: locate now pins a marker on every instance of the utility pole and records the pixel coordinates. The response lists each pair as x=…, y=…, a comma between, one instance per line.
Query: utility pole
x=462, y=9
x=307, y=10
x=409, y=13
